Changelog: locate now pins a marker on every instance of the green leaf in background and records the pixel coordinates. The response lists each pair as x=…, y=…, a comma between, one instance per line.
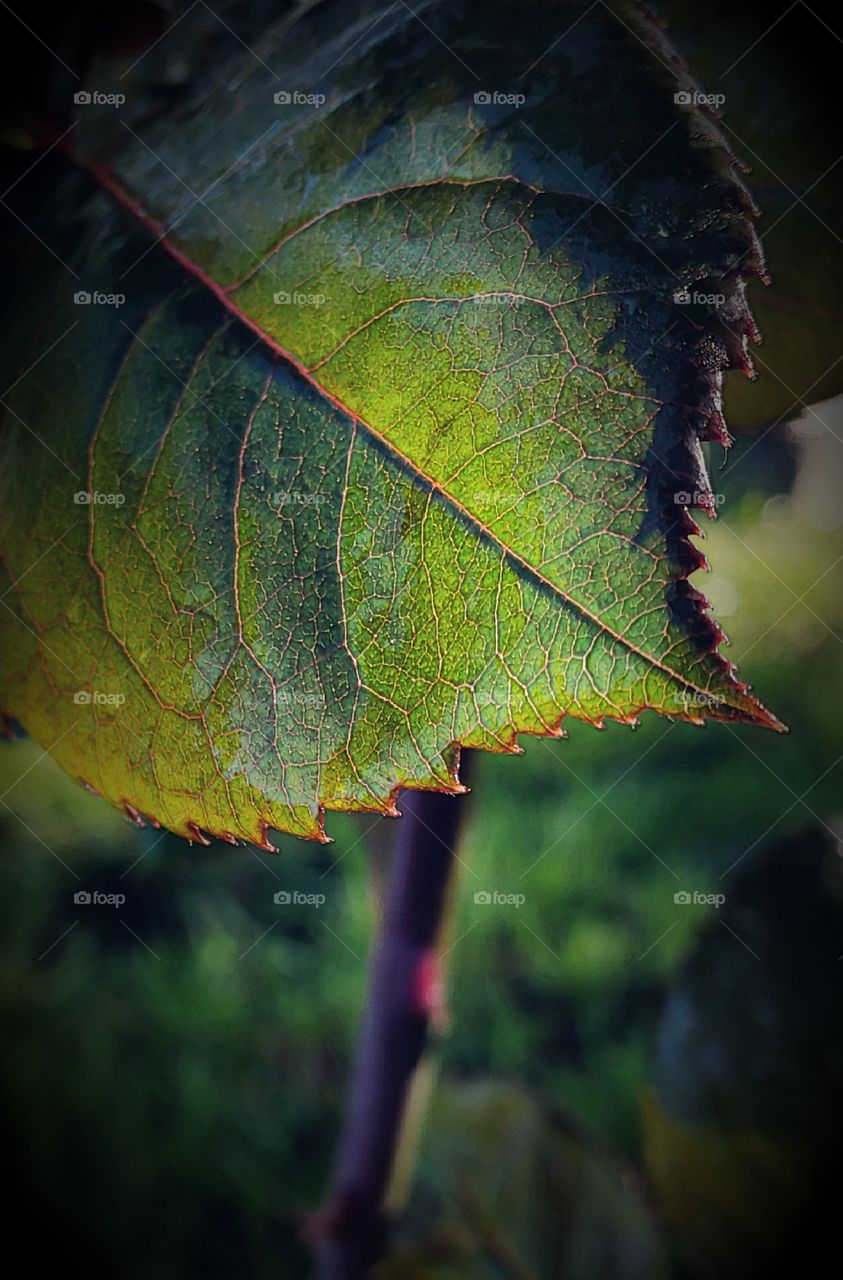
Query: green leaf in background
x=367, y=423
x=741, y=1127
x=509, y=1189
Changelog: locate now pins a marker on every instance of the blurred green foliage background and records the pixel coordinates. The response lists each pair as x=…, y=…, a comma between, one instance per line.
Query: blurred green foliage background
x=173, y=1068
x=630, y=1087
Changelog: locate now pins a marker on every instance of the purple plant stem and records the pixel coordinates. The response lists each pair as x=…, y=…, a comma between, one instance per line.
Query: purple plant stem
x=393, y=1033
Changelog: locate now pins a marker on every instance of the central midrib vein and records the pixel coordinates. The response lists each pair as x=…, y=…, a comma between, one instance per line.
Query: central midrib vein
x=129, y=203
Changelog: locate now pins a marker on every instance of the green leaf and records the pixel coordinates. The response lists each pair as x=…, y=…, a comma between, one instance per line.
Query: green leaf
x=742, y=1124
x=507, y=1188
x=391, y=442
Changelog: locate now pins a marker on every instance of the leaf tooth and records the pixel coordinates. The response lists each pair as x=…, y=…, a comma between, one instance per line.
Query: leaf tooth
x=700, y=600
x=753, y=260
x=749, y=206
x=685, y=604
x=321, y=835
x=704, y=500
x=705, y=603
x=261, y=838
x=195, y=833
x=736, y=312
x=740, y=357
x=452, y=759
x=134, y=815
x=739, y=333
x=555, y=729
x=686, y=555
x=713, y=429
